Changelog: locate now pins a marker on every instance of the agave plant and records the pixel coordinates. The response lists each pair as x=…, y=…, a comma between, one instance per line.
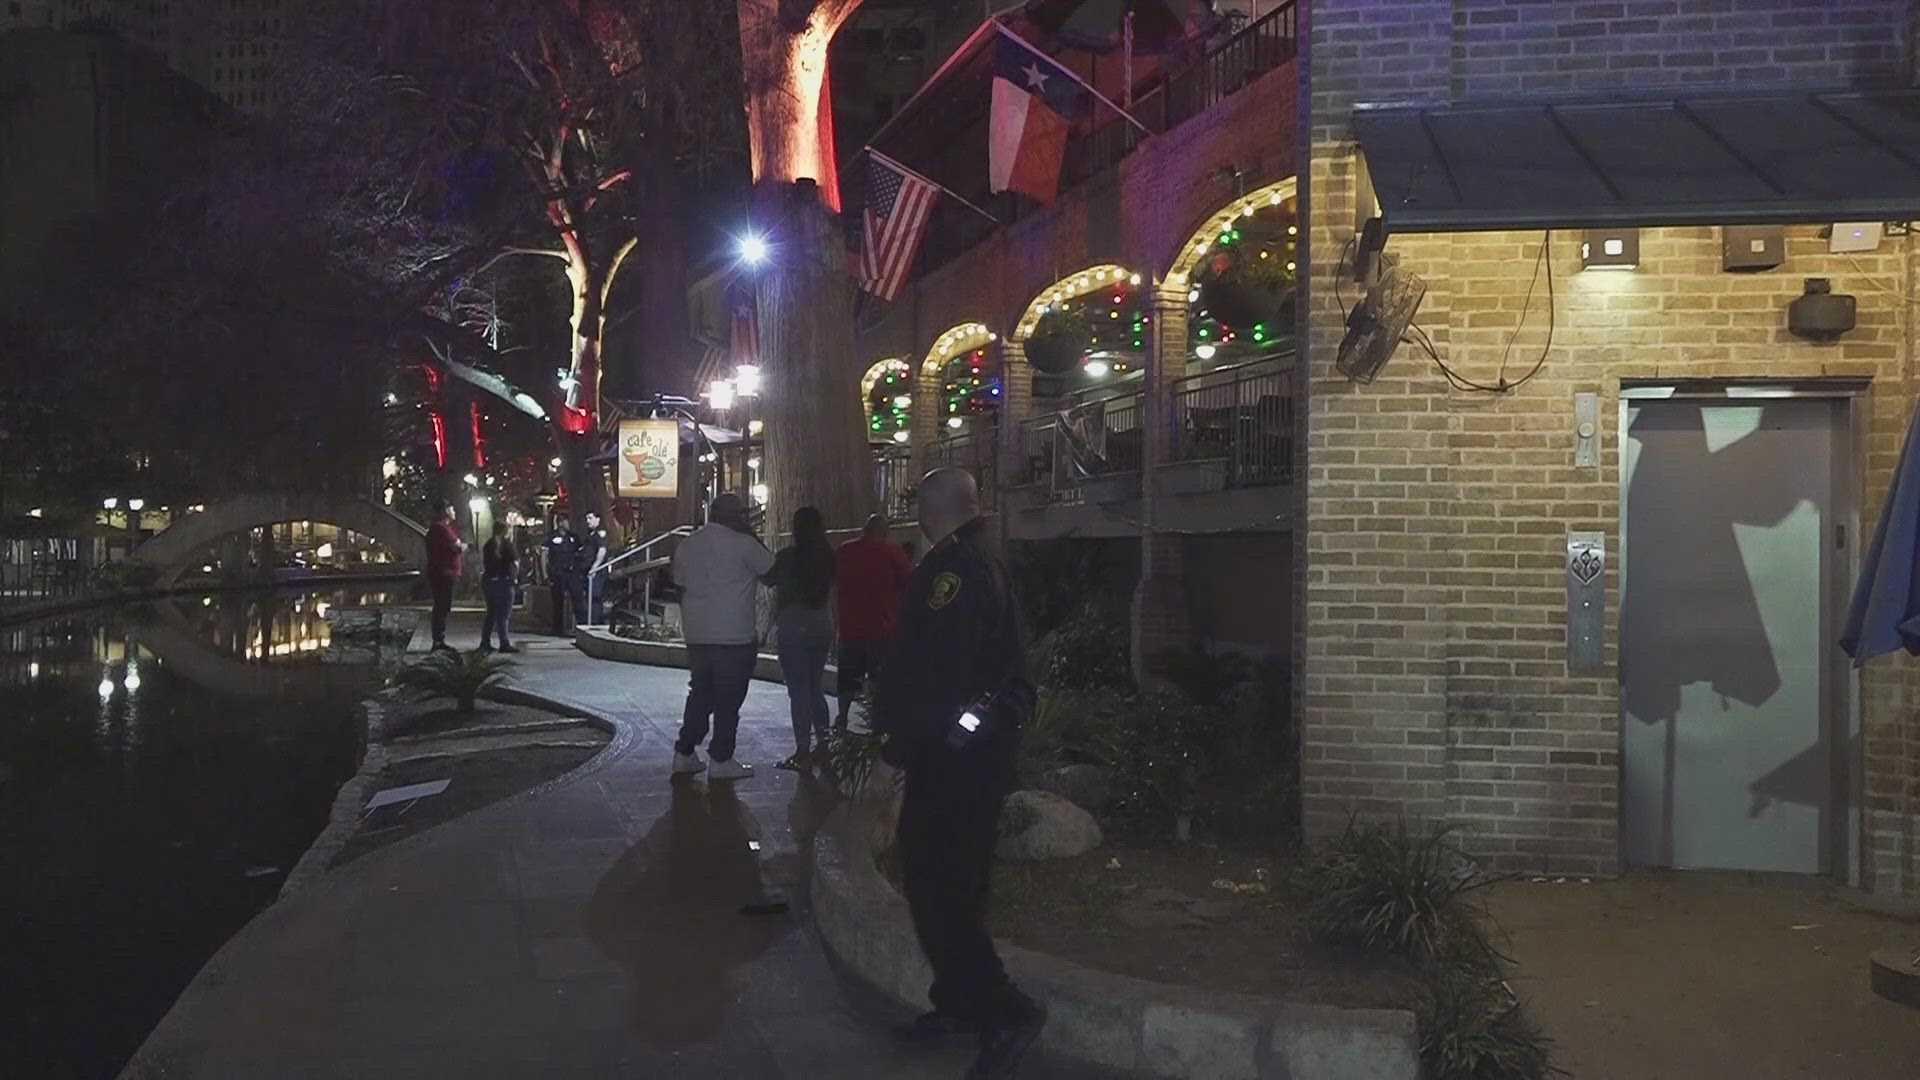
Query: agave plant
x=448, y=674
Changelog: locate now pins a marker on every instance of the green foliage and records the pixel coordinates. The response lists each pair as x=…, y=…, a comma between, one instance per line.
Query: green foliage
x=1384, y=888
x=1091, y=650
x=456, y=675
x=1081, y=726
x=1472, y=1028
x=850, y=759
x=1163, y=758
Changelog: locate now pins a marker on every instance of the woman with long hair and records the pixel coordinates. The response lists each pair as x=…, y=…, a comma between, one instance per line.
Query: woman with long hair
x=802, y=580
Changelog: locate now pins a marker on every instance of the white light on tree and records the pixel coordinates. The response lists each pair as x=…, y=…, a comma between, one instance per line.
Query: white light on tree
x=753, y=249
x=554, y=464
x=471, y=480
x=393, y=399
x=389, y=468
x=746, y=379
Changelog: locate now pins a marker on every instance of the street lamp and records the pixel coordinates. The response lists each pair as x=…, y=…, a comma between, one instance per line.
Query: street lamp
x=136, y=504
x=746, y=378
x=720, y=394
x=753, y=249
x=109, y=504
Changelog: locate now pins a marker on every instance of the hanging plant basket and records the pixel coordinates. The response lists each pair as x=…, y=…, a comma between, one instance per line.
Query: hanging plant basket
x=1240, y=303
x=1058, y=342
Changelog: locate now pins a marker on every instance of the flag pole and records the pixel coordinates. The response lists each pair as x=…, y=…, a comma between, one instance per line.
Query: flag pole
x=892, y=164
x=1069, y=73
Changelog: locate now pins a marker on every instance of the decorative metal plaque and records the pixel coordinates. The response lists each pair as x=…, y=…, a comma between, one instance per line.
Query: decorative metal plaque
x=1586, y=602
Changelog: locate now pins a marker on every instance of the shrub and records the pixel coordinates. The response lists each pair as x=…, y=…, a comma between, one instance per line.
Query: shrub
x=1077, y=726
x=1381, y=887
x=851, y=757
x=1473, y=1028
x=449, y=674
x=1090, y=650
x=1162, y=754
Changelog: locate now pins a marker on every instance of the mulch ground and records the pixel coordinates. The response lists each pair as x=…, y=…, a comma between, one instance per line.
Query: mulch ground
x=1195, y=914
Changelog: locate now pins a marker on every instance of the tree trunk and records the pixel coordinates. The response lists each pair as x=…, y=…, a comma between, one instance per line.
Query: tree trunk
x=816, y=446
x=816, y=432
x=783, y=52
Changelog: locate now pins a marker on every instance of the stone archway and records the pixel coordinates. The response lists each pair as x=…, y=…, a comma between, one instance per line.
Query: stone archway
x=174, y=548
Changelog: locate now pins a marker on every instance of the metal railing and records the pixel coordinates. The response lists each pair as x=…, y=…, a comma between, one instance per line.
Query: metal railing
x=1241, y=415
x=1096, y=441
x=894, y=482
x=606, y=568
x=973, y=451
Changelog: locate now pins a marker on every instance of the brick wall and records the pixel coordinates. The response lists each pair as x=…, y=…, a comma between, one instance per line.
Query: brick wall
x=1435, y=678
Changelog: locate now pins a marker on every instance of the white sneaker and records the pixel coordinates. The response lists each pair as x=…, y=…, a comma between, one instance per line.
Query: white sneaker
x=688, y=763
x=730, y=769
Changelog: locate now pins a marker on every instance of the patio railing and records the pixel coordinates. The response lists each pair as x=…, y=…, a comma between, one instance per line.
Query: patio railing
x=894, y=482
x=1098, y=442
x=974, y=452
x=1241, y=415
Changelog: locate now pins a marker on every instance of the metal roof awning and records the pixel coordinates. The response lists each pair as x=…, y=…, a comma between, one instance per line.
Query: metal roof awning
x=1780, y=159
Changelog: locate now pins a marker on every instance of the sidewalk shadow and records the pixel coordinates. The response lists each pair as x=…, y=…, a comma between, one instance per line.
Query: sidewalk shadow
x=668, y=913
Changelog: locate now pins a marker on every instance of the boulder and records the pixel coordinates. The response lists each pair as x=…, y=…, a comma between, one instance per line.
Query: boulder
x=1089, y=786
x=1037, y=825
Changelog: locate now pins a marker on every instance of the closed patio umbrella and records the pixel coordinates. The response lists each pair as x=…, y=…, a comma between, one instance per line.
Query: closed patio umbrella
x=1885, y=614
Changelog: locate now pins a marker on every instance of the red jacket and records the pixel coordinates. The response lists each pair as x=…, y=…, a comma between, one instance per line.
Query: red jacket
x=868, y=578
x=443, y=551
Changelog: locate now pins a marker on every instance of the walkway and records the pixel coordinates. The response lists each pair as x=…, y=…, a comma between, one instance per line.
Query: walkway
x=588, y=930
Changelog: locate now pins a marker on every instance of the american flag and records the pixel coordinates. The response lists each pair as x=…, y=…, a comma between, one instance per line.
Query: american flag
x=898, y=204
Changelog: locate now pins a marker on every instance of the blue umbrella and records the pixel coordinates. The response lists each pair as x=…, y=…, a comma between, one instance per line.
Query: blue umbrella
x=1886, y=602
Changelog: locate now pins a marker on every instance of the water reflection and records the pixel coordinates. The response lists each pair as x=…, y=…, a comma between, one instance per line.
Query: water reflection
x=161, y=768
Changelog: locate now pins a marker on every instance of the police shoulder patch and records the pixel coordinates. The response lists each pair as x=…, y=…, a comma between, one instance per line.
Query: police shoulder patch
x=945, y=588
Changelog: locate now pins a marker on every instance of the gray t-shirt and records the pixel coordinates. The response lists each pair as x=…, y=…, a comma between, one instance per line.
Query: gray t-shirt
x=719, y=570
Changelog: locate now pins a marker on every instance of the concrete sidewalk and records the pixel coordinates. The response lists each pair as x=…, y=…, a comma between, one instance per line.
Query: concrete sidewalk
x=588, y=929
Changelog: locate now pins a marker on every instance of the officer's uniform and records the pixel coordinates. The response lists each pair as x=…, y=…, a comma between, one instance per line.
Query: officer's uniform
x=959, y=638
x=563, y=579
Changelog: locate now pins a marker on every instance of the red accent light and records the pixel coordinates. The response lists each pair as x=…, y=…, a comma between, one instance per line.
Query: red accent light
x=479, y=437
x=439, y=439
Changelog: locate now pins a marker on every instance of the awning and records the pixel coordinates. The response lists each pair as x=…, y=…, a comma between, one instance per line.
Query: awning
x=1777, y=159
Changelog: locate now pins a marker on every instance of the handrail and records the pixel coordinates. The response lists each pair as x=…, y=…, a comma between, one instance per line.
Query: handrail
x=1276, y=359
x=594, y=571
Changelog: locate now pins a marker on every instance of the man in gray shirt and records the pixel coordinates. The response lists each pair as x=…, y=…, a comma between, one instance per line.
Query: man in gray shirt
x=718, y=569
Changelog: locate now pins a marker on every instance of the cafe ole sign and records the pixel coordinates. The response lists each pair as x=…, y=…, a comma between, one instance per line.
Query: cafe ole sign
x=649, y=464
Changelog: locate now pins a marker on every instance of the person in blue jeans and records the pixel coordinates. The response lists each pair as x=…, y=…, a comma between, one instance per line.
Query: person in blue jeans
x=500, y=564
x=802, y=580
x=718, y=567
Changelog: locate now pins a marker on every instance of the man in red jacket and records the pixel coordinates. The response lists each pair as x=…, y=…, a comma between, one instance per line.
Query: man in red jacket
x=869, y=574
x=444, y=548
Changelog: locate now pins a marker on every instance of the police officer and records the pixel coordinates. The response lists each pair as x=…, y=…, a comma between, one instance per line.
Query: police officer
x=951, y=703
x=594, y=553
x=563, y=576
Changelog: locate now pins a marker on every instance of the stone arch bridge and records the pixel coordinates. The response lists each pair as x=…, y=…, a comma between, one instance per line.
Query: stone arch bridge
x=178, y=547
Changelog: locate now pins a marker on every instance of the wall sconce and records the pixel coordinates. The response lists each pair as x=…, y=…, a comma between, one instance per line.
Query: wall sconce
x=1610, y=249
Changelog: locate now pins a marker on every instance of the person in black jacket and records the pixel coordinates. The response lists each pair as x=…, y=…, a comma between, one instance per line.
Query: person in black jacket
x=951, y=703
x=500, y=565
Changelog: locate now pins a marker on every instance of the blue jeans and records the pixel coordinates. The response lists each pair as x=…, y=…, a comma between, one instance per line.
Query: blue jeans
x=716, y=688
x=499, y=594
x=805, y=640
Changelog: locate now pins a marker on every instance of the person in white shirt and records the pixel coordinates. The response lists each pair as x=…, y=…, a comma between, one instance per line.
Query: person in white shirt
x=718, y=569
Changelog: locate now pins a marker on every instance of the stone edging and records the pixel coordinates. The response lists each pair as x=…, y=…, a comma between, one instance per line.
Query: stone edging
x=1896, y=977
x=344, y=819
x=602, y=645
x=1130, y=1026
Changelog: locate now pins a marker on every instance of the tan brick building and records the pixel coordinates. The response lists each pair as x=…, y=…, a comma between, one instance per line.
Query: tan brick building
x=1436, y=665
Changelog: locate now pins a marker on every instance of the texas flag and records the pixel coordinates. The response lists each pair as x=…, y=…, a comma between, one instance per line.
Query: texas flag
x=1034, y=105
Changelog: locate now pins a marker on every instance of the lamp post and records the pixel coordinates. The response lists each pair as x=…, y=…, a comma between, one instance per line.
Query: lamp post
x=746, y=378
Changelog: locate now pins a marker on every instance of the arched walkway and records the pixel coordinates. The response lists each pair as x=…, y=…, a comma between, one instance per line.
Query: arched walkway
x=1187, y=260
x=174, y=548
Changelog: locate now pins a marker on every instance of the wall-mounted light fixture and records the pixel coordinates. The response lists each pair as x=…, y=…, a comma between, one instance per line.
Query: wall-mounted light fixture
x=1610, y=249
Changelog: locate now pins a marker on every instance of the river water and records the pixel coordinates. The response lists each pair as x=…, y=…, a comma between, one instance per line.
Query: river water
x=162, y=768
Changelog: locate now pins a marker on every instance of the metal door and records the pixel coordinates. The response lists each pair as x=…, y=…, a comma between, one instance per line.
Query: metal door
x=1733, y=551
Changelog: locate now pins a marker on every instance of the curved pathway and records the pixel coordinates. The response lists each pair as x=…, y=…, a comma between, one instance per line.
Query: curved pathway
x=591, y=928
